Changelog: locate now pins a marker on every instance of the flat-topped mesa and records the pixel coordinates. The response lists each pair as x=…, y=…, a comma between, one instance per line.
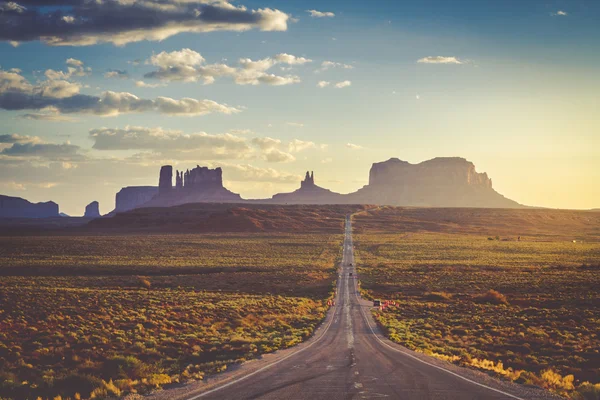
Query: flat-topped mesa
x=200, y=184
x=200, y=178
x=132, y=197
x=16, y=207
x=441, y=171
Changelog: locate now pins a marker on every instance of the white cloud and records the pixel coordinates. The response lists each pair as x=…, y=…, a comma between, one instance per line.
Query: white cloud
x=327, y=160
x=266, y=143
x=325, y=65
x=148, y=85
x=295, y=124
x=246, y=172
x=353, y=146
x=298, y=145
x=343, y=84
x=189, y=66
x=240, y=131
x=277, y=156
x=439, y=60
x=323, y=84
x=171, y=143
x=16, y=93
x=116, y=74
x=49, y=117
x=289, y=59
x=561, y=13
x=74, y=68
x=320, y=14
x=12, y=186
x=73, y=62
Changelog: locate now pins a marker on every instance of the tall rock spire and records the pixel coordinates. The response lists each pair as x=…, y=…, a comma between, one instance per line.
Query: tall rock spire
x=165, y=181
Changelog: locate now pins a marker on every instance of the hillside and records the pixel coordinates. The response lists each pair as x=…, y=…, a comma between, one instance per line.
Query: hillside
x=17, y=207
x=508, y=223
x=211, y=217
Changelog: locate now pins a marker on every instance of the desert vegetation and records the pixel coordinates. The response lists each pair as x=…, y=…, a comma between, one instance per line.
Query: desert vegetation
x=95, y=316
x=525, y=309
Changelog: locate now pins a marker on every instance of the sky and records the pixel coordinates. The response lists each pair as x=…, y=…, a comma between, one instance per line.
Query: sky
x=96, y=96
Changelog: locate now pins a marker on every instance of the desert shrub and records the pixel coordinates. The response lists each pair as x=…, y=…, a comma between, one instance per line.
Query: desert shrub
x=555, y=380
x=76, y=383
x=438, y=296
x=145, y=283
x=107, y=390
x=492, y=297
x=587, y=391
x=126, y=367
x=159, y=379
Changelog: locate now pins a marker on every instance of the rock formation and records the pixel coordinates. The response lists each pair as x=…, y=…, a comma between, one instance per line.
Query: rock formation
x=440, y=182
x=132, y=197
x=16, y=207
x=198, y=185
x=309, y=193
x=165, y=180
x=92, y=210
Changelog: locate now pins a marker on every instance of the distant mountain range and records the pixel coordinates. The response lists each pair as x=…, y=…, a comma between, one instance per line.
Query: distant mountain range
x=16, y=207
x=440, y=182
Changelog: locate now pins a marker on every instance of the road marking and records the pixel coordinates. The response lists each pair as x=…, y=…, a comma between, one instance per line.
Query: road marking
x=349, y=330
x=425, y=362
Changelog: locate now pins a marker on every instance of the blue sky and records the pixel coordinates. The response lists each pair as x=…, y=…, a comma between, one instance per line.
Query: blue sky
x=511, y=86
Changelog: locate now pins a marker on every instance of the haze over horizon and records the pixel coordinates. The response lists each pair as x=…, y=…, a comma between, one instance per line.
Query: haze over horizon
x=277, y=88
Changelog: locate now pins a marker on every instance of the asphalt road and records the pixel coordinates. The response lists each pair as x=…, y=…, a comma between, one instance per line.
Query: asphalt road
x=350, y=359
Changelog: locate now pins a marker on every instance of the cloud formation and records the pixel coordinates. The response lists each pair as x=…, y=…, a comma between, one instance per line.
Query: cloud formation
x=439, y=60
x=325, y=65
x=51, y=151
x=85, y=22
x=277, y=156
x=17, y=93
x=160, y=144
x=27, y=147
x=343, y=84
x=266, y=143
x=320, y=14
x=14, y=138
x=48, y=117
x=561, y=13
x=298, y=145
x=116, y=74
x=353, y=146
x=247, y=172
x=323, y=84
x=171, y=142
x=189, y=66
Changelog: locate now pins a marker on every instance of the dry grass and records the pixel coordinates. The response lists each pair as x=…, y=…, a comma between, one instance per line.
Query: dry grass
x=96, y=316
x=526, y=310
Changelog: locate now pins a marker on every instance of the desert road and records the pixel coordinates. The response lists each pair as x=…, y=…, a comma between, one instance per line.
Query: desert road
x=349, y=359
